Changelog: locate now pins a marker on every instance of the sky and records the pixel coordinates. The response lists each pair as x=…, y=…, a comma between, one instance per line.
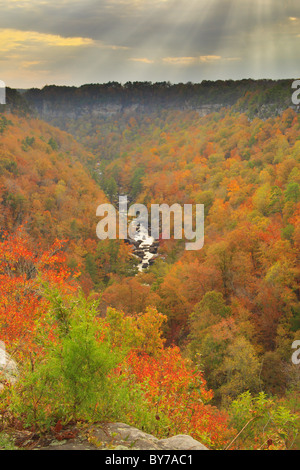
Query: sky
x=73, y=42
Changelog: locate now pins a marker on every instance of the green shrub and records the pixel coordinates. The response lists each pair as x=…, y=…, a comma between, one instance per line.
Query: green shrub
x=72, y=380
x=6, y=443
x=77, y=377
x=263, y=423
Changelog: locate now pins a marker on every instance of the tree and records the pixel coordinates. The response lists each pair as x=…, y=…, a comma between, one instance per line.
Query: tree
x=242, y=369
x=23, y=311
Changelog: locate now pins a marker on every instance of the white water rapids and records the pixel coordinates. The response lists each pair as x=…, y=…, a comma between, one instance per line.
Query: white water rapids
x=146, y=242
x=140, y=238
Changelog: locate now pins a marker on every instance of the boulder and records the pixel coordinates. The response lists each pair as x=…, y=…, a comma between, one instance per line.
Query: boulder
x=120, y=436
x=136, y=243
x=182, y=442
x=8, y=367
x=139, y=253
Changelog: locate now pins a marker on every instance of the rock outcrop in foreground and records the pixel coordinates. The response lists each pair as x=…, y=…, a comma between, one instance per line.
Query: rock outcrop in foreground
x=119, y=436
x=8, y=367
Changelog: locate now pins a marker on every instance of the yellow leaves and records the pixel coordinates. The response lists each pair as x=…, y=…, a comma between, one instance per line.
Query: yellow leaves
x=281, y=273
x=233, y=187
x=143, y=331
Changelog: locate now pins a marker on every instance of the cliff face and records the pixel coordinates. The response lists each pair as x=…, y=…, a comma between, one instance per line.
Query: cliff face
x=262, y=98
x=48, y=111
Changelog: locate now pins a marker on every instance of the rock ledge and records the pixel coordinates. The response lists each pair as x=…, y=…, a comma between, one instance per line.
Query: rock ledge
x=119, y=436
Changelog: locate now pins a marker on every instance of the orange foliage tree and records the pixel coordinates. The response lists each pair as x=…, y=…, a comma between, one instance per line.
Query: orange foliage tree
x=23, y=310
x=177, y=391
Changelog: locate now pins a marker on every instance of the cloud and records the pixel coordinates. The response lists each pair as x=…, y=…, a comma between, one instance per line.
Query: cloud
x=112, y=47
x=142, y=60
x=28, y=64
x=191, y=60
x=209, y=58
x=30, y=58
x=12, y=39
x=180, y=60
x=84, y=41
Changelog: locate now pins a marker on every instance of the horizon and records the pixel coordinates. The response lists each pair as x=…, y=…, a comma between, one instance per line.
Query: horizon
x=151, y=83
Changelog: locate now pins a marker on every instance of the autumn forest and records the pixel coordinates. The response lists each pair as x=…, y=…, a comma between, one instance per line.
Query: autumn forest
x=198, y=342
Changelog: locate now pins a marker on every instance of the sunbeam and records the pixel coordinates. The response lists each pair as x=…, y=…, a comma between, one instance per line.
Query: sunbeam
x=158, y=40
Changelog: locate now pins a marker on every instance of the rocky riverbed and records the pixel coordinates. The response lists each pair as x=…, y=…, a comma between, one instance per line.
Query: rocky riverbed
x=145, y=247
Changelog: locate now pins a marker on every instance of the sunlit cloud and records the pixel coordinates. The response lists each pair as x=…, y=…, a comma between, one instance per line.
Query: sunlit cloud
x=209, y=58
x=12, y=39
x=191, y=60
x=142, y=60
x=84, y=41
x=180, y=60
x=28, y=64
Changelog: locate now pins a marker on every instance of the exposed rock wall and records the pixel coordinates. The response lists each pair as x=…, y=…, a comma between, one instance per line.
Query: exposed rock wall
x=49, y=111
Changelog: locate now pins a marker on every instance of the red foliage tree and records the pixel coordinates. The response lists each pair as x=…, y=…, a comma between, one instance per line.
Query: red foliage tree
x=23, y=309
